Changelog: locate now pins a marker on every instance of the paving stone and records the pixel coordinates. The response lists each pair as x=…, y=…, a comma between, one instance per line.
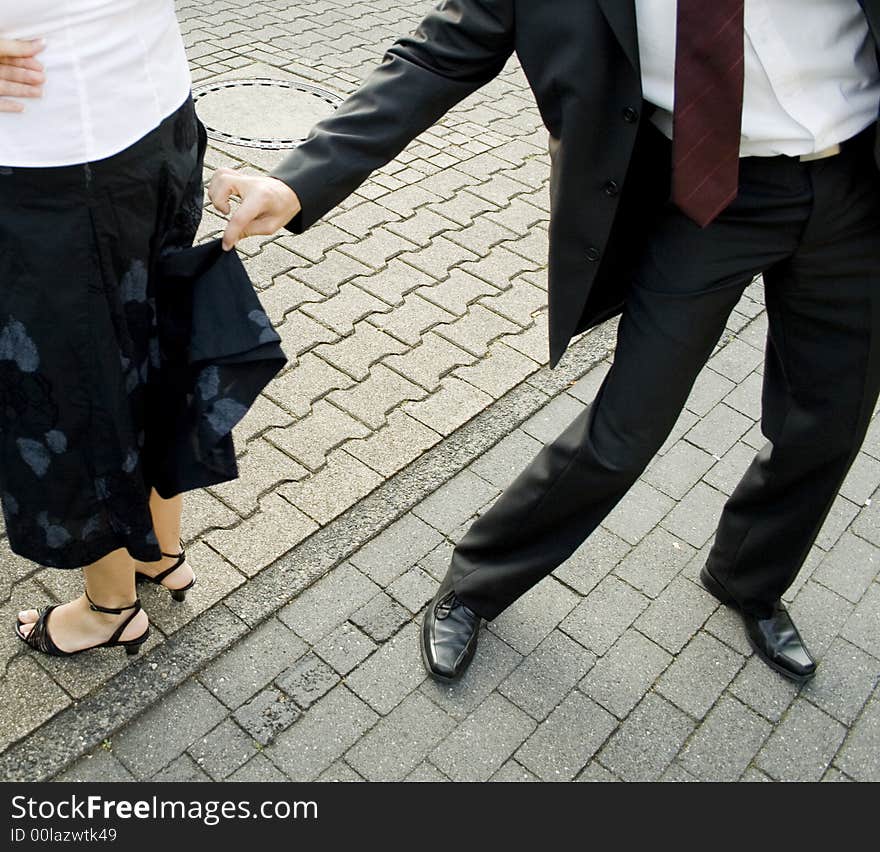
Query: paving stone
x=339, y=772
x=392, y=283
x=243, y=670
x=725, y=743
x=457, y=292
x=708, y=390
x=324, y=606
x=602, y=617
x=269, y=712
x=257, y=542
x=674, y=774
x=844, y=681
x=685, y=421
x=325, y=733
x=455, y=502
x=586, y=388
x=592, y=561
x=746, y=397
x=676, y=472
x=755, y=776
x=414, y=588
x=372, y=399
x=566, y=741
x=849, y=568
x=258, y=769
x=839, y=518
x=736, y=360
x=161, y=734
x=700, y=673
x=625, y=673
x=638, y=513
x=401, y=740
x=596, y=773
x=547, y=675
x=310, y=379
x=532, y=617
x=427, y=773
x=307, y=680
x=222, y=751
x=500, y=370
x=484, y=741
x=820, y=614
x=727, y=473
x=328, y=274
x=336, y=487
x=390, y=674
x=183, y=770
x=726, y=624
x=861, y=627
x=400, y=546
x=507, y=459
x=762, y=689
x=430, y=361
x=858, y=757
x=394, y=446
x=647, y=741
x=345, y=648
x=454, y=404
x=862, y=480
x=310, y=440
x=654, y=562
x=202, y=512
x=409, y=322
x=380, y=618
x=513, y=773
x=493, y=662
x=99, y=766
x=548, y=423
x=358, y=352
x=695, y=518
x=300, y=333
x=437, y=562
x=802, y=746
x=719, y=430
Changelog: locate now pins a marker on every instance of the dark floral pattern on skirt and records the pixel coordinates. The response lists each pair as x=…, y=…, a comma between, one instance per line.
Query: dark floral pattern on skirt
x=80, y=347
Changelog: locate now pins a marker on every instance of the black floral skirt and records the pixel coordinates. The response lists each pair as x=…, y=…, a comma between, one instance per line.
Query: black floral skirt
x=101, y=396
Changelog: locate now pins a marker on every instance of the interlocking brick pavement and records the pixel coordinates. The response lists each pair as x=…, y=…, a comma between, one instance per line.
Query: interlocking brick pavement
x=415, y=307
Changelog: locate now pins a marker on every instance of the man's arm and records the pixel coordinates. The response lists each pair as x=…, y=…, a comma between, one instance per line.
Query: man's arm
x=460, y=46
x=21, y=75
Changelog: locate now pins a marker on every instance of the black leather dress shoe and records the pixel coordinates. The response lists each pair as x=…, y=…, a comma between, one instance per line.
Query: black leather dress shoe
x=774, y=639
x=449, y=634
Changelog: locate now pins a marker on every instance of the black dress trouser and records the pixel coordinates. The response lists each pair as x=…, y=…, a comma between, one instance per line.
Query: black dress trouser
x=813, y=230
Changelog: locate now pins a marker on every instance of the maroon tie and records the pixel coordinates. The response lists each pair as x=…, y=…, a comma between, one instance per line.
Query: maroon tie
x=707, y=118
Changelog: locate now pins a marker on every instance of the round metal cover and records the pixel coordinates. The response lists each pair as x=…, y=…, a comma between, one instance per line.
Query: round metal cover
x=261, y=112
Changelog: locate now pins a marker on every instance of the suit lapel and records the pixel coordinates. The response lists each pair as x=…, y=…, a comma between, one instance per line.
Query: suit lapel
x=621, y=16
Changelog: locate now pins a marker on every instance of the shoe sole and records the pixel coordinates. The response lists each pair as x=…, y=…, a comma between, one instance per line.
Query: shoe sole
x=720, y=594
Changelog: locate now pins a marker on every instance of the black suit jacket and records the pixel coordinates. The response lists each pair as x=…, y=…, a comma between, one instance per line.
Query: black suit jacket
x=581, y=59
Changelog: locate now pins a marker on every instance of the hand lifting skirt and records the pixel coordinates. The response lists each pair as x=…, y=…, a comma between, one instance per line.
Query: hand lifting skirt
x=126, y=355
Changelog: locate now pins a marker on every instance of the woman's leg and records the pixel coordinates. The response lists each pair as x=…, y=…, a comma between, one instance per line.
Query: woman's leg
x=166, y=522
x=109, y=582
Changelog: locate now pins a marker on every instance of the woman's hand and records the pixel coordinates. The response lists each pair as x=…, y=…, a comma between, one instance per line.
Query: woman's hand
x=267, y=204
x=21, y=75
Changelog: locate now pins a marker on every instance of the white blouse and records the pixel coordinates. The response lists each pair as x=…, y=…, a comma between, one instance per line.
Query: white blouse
x=114, y=70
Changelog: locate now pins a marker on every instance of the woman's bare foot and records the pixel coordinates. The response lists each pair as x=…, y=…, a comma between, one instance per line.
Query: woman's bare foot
x=178, y=579
x=74, y=626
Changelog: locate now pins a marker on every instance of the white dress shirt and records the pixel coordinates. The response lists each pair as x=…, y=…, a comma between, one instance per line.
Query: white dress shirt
x=114, y=70
x=811, y=76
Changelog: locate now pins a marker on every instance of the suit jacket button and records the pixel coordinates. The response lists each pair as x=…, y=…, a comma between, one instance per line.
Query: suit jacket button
x=593, y=254
x=630, y=115
x=612, y=188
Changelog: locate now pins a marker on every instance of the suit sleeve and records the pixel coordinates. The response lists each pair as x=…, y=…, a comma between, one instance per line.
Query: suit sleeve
x=460, y=46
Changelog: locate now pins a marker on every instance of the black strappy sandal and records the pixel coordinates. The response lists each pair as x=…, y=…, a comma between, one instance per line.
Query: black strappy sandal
x=177, y=594
x=40, y=640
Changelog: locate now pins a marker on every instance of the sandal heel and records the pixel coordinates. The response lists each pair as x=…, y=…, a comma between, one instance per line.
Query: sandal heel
x=131, y=650
x=178, y=595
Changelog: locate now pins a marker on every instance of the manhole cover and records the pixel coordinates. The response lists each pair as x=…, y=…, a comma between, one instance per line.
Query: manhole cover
x=262, y=113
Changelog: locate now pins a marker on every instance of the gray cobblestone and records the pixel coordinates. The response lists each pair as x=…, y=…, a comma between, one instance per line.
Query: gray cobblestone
x=222, y=751
x=531, y=618
x=592, y=561
x=858, y=757
x=802, y=745
x=380, y=618
x=758, y=686
x=547, y=675
x=849, y=568
x=565, y=742
x=504, y=462
x=454, y=503
x=844, y=681
x=638, y=513
x=258, y=769
x=654, y=562
x=719, y=430
x=398, y=548
x=308, y=680
x=401, y=740
x=695, y=518
x=820, y=615
x=676, y=472
x=645, y=744
x=861, y=627
x=267, y=713
x=603, y=616
x=183, y=770
x=622, y=676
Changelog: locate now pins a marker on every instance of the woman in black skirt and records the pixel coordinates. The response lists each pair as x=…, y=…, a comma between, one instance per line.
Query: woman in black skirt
x=99, y=179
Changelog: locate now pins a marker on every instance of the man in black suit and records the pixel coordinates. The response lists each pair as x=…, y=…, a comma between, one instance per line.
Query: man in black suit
x=693, y=146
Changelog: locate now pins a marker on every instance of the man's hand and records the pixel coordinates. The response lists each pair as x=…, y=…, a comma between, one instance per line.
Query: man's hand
x=21, y=75
x=267, y=204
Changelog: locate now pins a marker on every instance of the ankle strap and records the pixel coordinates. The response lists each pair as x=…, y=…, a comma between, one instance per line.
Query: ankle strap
x=110, y=610
x=181, y=555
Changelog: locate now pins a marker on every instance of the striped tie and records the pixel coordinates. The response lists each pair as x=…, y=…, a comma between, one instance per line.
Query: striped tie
x=707, y=117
